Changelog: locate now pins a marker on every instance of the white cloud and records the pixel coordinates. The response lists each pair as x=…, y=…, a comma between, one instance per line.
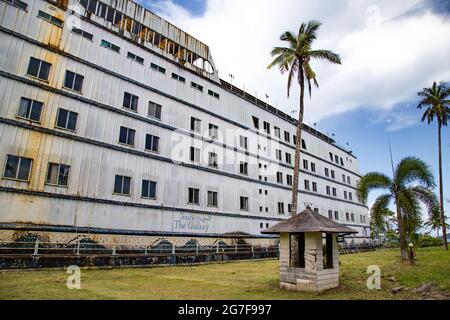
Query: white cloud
x=386, y=60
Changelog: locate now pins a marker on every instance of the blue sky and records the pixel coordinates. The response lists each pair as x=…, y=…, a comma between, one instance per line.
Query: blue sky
x=390, y=51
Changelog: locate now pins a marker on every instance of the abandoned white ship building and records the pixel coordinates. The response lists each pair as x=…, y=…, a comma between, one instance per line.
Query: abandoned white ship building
x=114, y=122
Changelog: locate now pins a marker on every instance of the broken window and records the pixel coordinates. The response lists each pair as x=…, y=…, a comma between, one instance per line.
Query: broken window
x=49, y=18
x=194, y=155
x=196, y=125
x=213, y=131
x=212, y=160
x=83, y=33
x=256, y=122
x=58, y=174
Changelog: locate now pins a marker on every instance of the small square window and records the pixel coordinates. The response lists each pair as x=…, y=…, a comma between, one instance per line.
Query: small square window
x=149, y=189
x=39, y=69
x=73, y=81
x=122, y=185
x=126, y=136
x=66, y=119
x=30, y=109
x=194, y=196
x=130, y=101
x=212, y=199
x=58, y=174
x=154, y=110
x=18, y=168
x=152, y=143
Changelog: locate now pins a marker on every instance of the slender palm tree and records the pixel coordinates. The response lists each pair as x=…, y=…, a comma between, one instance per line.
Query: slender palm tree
x=295, y=59
x=435, y=222
x=436, y=101
x=410, y=185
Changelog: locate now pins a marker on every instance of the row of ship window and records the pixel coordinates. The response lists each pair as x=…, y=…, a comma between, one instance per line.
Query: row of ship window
x=19, y=168
x=65, y=119
x=41, y=69
x=31, y=110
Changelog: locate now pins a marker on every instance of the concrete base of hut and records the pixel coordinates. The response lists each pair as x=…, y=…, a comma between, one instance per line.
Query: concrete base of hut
x=314, y=277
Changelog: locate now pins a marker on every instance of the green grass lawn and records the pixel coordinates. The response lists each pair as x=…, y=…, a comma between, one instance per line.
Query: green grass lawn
x=241, y=280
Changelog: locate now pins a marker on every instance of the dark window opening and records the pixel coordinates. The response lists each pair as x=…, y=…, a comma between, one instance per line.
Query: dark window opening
x=66, y=119
x=148, y=189
x=328, y=251
x=39, y=68
x=122, y=185
x=73, y=81
x=18, y=168
x=297, y=245
x=126, y=136
x=30, y=109
x=256, y=122
x=130, y=101
x=83, y=33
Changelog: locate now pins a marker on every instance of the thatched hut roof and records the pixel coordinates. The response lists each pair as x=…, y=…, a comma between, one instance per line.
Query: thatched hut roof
x=309, y=221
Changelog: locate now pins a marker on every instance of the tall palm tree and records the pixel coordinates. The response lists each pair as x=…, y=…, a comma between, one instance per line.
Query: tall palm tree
x=410, y=185
x=295, y=59
x=437, y=104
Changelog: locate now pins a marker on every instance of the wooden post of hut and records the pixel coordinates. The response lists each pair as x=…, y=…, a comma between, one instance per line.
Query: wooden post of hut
x=309, y=253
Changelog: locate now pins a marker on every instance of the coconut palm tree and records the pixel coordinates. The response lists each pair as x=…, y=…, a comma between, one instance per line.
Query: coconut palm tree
x=436, y=101
x=295, y=59
x=409, y=185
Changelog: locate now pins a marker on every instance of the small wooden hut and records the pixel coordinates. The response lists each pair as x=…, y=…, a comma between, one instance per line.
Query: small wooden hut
x=309, y=253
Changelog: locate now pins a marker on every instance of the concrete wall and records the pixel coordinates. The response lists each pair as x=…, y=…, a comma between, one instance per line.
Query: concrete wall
x=314, y=277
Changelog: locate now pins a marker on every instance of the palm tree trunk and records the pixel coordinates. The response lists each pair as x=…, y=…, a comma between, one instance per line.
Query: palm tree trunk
x=401, y=233
x=294, y=210
x=298, y=144
x=441, y=188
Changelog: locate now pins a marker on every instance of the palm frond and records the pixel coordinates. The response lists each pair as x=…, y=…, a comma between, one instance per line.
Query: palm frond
x=412, y=169
x=379, y=211
x=428, y=198
x=372, y=181
x=326, y=55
